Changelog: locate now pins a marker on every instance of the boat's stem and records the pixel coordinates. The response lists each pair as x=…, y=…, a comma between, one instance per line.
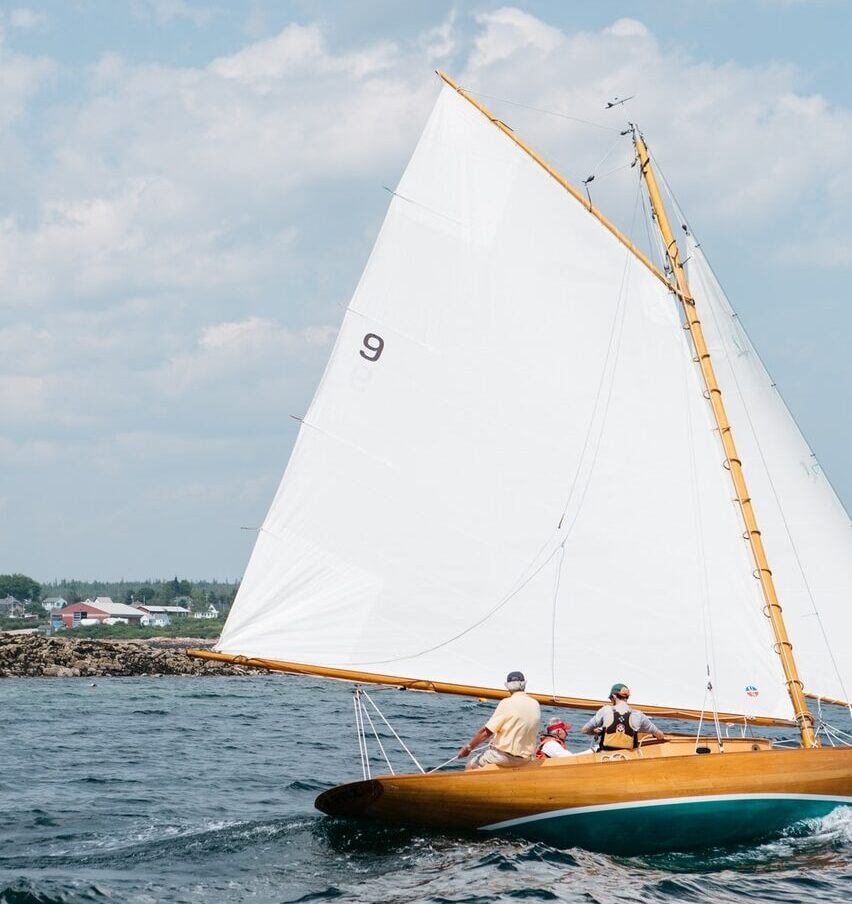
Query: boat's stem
x=772, y=608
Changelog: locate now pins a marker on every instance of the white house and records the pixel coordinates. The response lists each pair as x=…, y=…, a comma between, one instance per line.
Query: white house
x=210, y=612
x=53, y=602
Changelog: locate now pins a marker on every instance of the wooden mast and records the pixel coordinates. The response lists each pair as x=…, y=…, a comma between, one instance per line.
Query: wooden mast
x=772, y=608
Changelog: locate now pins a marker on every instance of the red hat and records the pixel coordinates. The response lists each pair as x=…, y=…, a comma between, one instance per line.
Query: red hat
x=556, y=724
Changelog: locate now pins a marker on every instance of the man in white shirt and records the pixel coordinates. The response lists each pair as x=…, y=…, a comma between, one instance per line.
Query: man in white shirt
x=513, y=729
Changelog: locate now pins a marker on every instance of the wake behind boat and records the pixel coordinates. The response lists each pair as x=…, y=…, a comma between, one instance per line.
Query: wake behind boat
x=522, y=454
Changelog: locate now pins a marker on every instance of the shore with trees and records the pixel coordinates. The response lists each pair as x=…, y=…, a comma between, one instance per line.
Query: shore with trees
x=30, y=646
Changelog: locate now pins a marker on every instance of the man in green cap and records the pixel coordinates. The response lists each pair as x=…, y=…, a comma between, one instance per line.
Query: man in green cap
x=617, y=726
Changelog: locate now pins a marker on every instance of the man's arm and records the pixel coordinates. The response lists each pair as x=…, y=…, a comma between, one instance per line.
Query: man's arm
x=482, y=735
x=594, y=725
x=646, y=725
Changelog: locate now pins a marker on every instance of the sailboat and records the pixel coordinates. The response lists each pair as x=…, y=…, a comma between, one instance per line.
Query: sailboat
x=529, y=450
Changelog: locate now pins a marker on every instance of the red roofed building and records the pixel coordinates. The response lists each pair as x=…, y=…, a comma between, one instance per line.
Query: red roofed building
x=103, y=609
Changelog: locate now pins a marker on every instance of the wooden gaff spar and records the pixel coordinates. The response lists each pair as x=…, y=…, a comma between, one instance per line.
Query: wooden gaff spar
x=440, y=300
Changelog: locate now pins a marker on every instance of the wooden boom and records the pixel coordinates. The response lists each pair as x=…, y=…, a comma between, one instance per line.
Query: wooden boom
x=463, y=690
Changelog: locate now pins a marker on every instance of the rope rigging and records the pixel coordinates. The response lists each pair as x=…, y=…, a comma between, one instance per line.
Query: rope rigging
x=362, y=715
x=556, y=113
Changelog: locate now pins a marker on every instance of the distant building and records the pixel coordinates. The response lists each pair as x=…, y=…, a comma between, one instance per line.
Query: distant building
x=101, y=611
x=170, y=611
x=9, y=607
x=53, y=602
x=209, y=612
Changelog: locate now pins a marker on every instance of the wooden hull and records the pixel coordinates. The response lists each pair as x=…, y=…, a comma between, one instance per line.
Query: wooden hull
x=635, y=805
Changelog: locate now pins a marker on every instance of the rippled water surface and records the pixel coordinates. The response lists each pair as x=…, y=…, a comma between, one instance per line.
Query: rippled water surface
x=202, y=789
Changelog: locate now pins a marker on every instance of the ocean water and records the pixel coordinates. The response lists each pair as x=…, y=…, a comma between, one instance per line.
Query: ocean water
x=201, y=790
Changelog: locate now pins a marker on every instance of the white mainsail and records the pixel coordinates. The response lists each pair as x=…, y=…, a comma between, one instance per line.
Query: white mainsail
x=806, y=531
x=509, y=462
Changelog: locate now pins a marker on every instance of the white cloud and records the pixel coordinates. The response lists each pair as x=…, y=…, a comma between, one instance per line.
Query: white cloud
x=21, y=76
x=23, y=17
x=29, y=453
x=627, y=28
x=743, y=142
x=510, y=31
x=828, y=251
x=158, y=170
x=255, y=345
x=441, y=41
x=164, y=12
x=171, y=261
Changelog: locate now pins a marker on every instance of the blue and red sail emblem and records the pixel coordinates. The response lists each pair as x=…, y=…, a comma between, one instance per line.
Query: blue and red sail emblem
x=752, y=691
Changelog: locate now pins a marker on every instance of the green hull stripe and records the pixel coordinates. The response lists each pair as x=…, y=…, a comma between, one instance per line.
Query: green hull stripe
x=673, y=824
x=834, y=801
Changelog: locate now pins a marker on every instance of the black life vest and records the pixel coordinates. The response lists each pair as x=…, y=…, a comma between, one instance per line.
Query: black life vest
x=618, y=734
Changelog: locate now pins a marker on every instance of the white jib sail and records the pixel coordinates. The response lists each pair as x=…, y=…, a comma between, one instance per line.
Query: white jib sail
x=806, y=531
x=509, y=462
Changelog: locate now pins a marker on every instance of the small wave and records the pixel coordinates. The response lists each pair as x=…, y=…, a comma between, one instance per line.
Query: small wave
x=542, y=853
x=149, y=712
x=352, y=837
x=108, y=780
x=299, y=785
x=45, y=822
x=835, y=827
x=327, y=894
x=465, y=899
x=808, y=843
x=25, y=892
x=499, y=861
x=172, y=843
x=536, y=894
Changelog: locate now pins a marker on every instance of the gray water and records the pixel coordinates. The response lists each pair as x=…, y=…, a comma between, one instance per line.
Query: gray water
x=202, y=789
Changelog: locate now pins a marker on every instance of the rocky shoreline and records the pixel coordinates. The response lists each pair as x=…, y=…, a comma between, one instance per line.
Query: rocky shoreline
x=36, y=656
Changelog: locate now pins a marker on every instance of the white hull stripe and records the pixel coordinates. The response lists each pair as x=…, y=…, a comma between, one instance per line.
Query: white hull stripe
x=663, y=802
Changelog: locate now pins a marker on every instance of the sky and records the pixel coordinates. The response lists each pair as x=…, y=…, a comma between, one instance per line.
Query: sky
x=191, y=189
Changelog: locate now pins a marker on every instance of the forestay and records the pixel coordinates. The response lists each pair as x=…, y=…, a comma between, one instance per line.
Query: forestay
x=805, y=529
x=509, y=462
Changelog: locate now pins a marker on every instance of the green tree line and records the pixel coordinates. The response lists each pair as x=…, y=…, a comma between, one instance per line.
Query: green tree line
x=197, y=594
x=20, y=586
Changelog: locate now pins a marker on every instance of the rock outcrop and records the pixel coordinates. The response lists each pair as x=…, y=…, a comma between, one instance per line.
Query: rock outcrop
x=63, y=656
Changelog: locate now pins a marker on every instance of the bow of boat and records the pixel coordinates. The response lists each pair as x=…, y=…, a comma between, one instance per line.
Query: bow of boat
x=351, y=799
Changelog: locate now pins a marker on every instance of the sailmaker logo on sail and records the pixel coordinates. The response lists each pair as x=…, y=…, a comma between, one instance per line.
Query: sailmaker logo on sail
x=752, y=691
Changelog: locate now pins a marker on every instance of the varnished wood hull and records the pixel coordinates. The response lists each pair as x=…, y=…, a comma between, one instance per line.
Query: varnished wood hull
x=663, y=803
